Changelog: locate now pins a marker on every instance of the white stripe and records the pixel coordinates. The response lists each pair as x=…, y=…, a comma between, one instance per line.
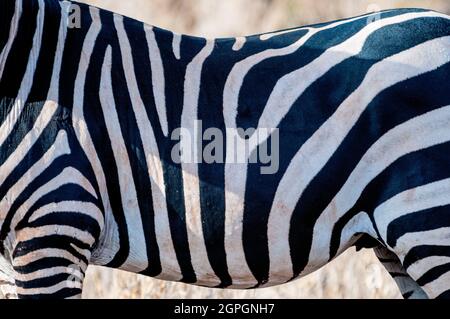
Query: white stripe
x=27, y=81
x=418, y=294
x=239, y=43
x=12, y=35
x=406, y=284
x=28, y=141
x=59, y=148
x=191, y=182
x=235, y=178
x=67, y=176
x=49, y=272
x=53, y=93
x=241, y=69
x=176, y=45
x=291, y=86
x=36, y=255
x=7, y=273
x=29, y=233
x=315, y=152
x=412, y=200
x=50, y=290
x=358, y=224
x=8, y=291
x=48, y=110
x=416, y=134
x=85, y=140
x=434, y=237
x=169, y=262
x=438, y=286
x=267, y=36
x=137, y=259
x=158, y=80
x=394, y=266
x=82, y=208
x=421, y=266
x=236, y=174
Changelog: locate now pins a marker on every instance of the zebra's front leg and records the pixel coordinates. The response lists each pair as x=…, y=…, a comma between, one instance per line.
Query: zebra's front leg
x=409, y=288
x=53, y=248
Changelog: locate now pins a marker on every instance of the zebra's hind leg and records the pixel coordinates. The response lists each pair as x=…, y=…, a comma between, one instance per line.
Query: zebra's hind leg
x=53, y=248
x=409, y=288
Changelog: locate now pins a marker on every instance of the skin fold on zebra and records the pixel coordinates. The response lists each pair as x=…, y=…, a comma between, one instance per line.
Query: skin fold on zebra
x=356, y=115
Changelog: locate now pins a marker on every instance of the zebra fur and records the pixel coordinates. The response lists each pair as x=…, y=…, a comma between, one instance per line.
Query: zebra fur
x=87, y=115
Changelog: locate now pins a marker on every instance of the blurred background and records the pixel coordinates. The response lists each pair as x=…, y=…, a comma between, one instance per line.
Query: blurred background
x=218, y=18
x=353, y=275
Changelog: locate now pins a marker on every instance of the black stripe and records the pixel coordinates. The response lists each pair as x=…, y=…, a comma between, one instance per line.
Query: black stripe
x=174, y=77
x=433, y=274
x=45, y=282
x=96, y=124
x=387, y=260
x=395, y=105
x=51, y=241
x=429, y=219
x=306, y=115
x=44, y=263
x=211, y=176
x=17, y=60
x=177, y=220
x=398, y=177
x=248, y=114
x=444, y=295
x=73, y=219
x=420, y=252
x=6, y=15
x=44, y=67
x=54, y=169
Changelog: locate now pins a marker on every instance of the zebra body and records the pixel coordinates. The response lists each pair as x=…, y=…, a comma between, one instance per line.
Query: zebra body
x=87, y=175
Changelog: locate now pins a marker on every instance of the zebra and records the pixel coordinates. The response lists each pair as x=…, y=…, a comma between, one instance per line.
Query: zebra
x=361, y=107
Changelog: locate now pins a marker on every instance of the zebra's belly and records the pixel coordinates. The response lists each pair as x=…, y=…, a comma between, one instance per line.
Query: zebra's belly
x=208, y=243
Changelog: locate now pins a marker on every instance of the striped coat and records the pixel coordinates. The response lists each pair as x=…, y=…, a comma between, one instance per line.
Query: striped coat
x=358, y=112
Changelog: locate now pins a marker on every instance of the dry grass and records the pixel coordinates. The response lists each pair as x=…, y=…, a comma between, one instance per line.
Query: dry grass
x=216, y=18
x=352, y=275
